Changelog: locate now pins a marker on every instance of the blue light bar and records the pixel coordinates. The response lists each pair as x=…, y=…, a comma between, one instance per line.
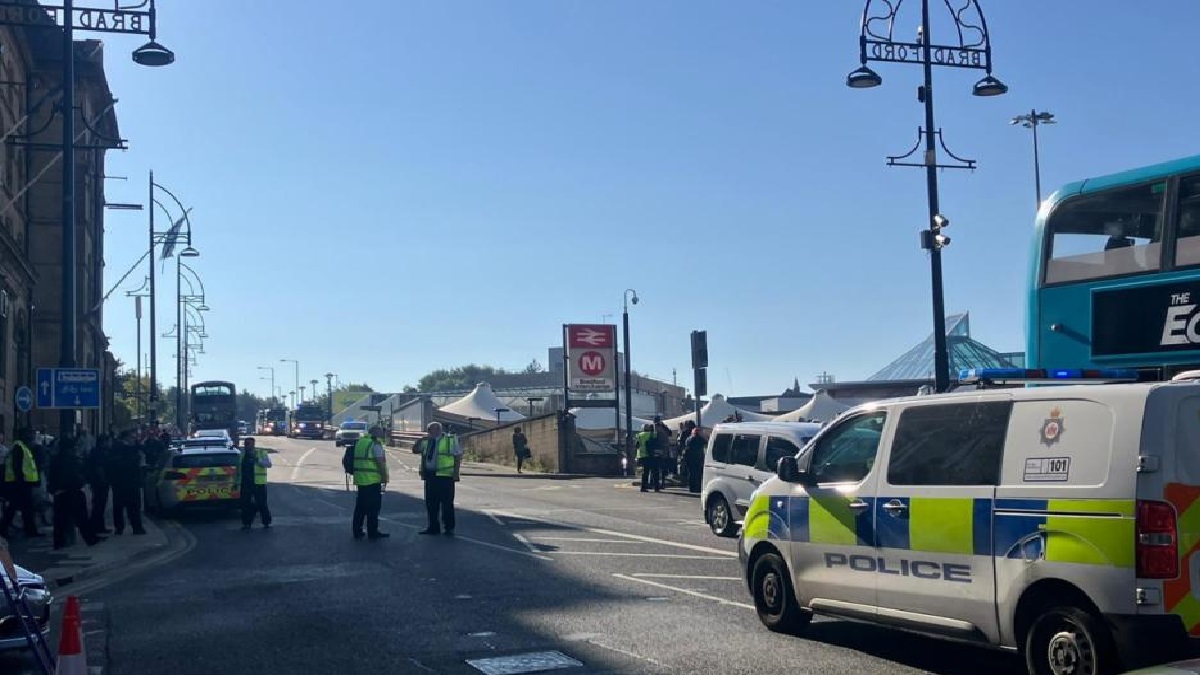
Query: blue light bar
x=1093, y=375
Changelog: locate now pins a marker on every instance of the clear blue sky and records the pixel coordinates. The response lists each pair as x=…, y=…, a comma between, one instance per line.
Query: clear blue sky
x=420, y=184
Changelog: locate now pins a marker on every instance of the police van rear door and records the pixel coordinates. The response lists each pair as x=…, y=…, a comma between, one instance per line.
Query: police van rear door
x=933, y=516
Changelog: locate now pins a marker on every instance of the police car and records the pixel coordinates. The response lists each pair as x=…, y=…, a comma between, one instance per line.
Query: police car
x=1062, y=522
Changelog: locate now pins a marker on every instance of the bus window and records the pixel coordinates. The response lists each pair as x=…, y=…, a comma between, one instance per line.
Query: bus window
x=1187, y=246
x=1111, y=233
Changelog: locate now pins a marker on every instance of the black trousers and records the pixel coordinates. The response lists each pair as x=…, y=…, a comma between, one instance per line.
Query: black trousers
x=367, y=504
x=695, y=475
x=20, y=498
x=99, y=505
x=651, y=473
x=70, y=512
x=439, y=499
x=254, y=500
x=127, y=501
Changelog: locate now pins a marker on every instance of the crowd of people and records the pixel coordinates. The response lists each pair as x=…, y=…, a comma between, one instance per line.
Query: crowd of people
x=663, y=455
x=67, y=483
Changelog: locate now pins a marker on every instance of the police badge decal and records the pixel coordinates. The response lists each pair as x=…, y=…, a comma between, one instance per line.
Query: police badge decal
x=1052, y=428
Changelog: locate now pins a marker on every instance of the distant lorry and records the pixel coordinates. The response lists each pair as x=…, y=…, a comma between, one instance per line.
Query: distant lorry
x=307, y=421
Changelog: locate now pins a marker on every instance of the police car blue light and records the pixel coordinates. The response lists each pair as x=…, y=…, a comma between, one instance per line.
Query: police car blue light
x=977, y=375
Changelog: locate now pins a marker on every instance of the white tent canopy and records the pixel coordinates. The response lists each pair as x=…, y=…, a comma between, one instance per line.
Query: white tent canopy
x=481, y=403
x=592, y=419
x=714, y=412
x=820, y=408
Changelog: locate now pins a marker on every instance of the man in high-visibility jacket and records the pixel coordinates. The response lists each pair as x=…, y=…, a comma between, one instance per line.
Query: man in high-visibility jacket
x=651, y=472
x=370, y=475
x=441, y=458
x=255, y=462
x=20, y=477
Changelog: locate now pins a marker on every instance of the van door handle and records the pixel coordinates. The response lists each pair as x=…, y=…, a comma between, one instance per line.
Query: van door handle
x=896, y=507
x=858, y=505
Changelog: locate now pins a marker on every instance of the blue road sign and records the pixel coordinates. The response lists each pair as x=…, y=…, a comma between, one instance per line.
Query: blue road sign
x=72, y=388
x=24, y=399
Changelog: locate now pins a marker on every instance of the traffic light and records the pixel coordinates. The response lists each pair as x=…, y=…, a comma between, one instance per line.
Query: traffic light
x=699, y=349
x=701, y=382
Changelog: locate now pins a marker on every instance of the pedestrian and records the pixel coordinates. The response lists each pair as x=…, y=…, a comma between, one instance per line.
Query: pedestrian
x=693, y=459
x=441, y=460
x=520, y=447
x=20, y=477
x=255, y=462
x=97, y=478
x=70, y=505
x=651, y=477
x=661, y=443
x=125, y=476
x=370, y=476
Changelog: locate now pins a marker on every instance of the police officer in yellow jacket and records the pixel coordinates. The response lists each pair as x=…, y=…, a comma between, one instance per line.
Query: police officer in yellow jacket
x=255, y=462
x=20, y=477
x=370, y=475
x=441, y=458
x=646, y=454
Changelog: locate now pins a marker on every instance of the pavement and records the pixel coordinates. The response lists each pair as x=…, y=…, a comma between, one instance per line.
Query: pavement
x=582, y=576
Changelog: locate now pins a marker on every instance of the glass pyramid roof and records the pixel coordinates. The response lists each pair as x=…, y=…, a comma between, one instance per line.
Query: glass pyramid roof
x=917, y=363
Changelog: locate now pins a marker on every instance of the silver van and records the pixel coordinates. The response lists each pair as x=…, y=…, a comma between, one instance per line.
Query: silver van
x=740, y=456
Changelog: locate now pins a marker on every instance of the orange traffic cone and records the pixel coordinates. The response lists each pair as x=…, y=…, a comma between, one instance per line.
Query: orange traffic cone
x=71, y=660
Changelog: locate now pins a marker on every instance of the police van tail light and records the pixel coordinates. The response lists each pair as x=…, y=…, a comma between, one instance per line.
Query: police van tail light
x=1157, y=541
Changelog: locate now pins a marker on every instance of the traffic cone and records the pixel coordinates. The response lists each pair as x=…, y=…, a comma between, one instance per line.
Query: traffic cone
x=71, y=659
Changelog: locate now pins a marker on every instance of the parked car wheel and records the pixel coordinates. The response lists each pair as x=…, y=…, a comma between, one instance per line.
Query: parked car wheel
x=720, y=517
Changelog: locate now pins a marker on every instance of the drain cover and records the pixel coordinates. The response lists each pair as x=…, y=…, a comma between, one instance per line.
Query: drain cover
x=532, y=662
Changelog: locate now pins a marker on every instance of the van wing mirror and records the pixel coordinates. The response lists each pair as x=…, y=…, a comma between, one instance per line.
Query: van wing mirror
x=789, y=470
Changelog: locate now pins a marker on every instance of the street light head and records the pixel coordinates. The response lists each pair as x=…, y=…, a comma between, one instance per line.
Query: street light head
x=989, y=86
x=863, y=78
x=634, y=299
x=203, y=308
x=1045, y=118
x=153, y=54
x=189, y=252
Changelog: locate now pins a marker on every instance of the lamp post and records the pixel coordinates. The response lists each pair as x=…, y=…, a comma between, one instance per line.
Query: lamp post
x=292, y=396
x=272, y=370
x=181, y=320
x=531, y=400
x=628, y=373
x=329, y=394
x=498, y=411
x=295, y=363
x=1032, y=121
x=974, y=50
x=128, y=21
x=137, y=295
x=168, y=239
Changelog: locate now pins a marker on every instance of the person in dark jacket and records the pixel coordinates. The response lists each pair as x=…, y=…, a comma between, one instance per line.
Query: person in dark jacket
x=97, y=478
x=125, y=476
x=693, y=459
x=70, y=506
x=255, y=463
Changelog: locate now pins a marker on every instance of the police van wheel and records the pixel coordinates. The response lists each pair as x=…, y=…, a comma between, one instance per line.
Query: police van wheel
x=1066, y=640
x=773, y=597
x=720, y=517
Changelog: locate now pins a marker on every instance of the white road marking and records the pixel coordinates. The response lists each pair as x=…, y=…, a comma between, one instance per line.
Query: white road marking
x=528, y=544
x=300, y=462
x=646, y=575
x=624, y=652
x=685, y=591
x=587, y=540
x=495, y=518
x=634, y=537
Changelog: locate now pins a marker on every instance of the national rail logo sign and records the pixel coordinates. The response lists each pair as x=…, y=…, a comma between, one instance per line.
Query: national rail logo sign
x=591, y=357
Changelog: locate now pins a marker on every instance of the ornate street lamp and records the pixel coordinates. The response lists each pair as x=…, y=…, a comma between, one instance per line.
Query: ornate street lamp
x=973, y=50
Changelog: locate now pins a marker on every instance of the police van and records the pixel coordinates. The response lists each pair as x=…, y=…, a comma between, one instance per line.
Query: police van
x=1058, y=521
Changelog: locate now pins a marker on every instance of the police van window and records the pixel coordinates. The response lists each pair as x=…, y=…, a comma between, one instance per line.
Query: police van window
x=846, y=453
x=720, y=448
x=958, y=444
x=745, y=449
x=777, y=449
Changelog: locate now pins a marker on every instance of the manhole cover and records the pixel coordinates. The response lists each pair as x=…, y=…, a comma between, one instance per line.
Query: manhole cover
x=532, y=662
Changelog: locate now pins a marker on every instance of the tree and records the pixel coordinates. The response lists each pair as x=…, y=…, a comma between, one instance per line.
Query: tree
x=125, y=399
x=533, y=368
x=462, y=377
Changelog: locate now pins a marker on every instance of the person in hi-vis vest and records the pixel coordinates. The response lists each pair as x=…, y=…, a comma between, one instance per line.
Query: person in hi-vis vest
x=20, y=478
x=255, y=462
x=370, y=475
x=441, y=458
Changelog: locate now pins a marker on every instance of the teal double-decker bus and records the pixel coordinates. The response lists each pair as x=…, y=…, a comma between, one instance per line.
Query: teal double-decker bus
x=1116, y=273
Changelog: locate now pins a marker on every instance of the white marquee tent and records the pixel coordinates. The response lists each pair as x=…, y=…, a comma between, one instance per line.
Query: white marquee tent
x=481, y=403
x=716, y=411
x=820, y=408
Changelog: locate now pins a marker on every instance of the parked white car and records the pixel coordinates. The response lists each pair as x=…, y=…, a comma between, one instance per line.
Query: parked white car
x=740, y=456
